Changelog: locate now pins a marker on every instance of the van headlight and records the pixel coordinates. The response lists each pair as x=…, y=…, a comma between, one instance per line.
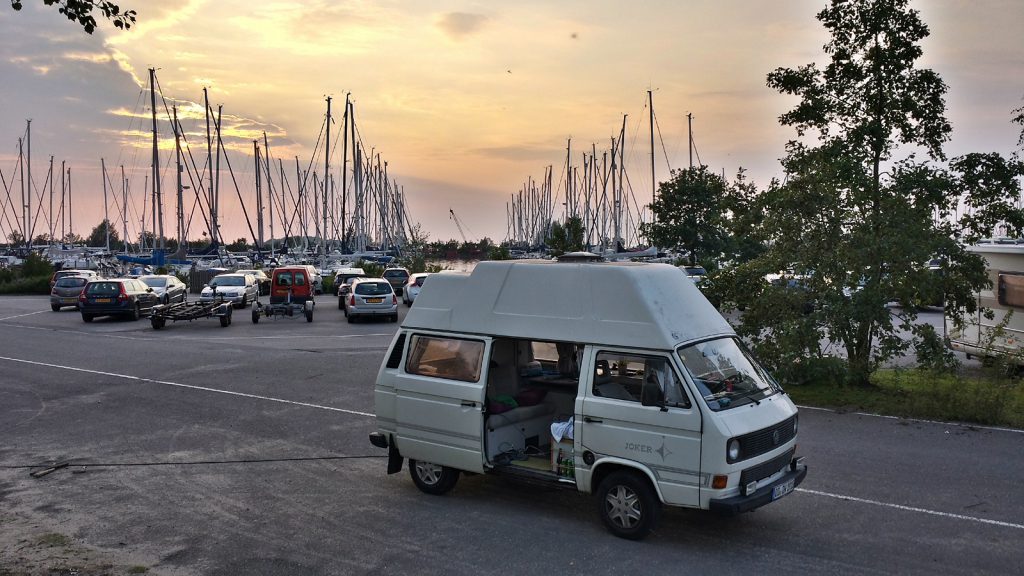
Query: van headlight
x=732, y=452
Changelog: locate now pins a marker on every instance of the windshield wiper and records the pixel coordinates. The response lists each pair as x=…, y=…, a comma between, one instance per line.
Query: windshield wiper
x=749, y=394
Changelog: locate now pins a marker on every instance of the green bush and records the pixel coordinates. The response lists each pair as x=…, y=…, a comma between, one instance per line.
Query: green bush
x=31, y=285
x=36, y=265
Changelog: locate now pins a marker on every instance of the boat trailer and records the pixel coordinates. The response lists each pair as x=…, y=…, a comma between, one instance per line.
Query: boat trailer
x=190, y=311
x=286, y=309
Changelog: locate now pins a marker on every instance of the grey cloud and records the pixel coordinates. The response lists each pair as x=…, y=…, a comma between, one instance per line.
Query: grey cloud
x=458, y=25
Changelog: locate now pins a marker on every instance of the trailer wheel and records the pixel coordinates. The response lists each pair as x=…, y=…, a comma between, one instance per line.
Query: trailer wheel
x=157, y=322
x=255, y=316
x=224, y=321
x=628, y=505
x=433, y=478
x=309, y=316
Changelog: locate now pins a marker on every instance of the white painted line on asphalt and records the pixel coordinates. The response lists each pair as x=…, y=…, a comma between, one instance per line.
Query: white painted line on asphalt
x=23, y=315
x=188, y=386
x=939, y=422
x=914, y=509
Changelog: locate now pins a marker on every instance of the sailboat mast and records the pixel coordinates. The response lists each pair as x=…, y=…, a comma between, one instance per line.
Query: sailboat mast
x=654, y=183
x=71, y=225
x=327, y=182
x=344, y=173
x=158, y=226
x=63, y=212
x=209, y=169
x=259, y=197
x=180, y=212
x=270, y=192
x=50, y=213
x=124, y=210
x=106, y=216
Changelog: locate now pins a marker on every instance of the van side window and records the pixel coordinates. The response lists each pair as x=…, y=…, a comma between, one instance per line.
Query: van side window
x=637, y=378
x=450, y=358
x=1011, y=289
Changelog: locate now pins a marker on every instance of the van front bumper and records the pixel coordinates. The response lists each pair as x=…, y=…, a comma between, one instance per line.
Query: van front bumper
x=763, y=495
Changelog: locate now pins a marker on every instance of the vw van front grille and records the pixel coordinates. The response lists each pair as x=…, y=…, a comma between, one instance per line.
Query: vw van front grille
x=766, y=469
x=768, y=439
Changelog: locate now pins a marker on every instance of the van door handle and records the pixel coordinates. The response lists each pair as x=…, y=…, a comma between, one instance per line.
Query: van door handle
x=468, y=404
x=590, y=420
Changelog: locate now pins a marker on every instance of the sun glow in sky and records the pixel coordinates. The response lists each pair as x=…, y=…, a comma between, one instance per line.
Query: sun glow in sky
x=466, y=100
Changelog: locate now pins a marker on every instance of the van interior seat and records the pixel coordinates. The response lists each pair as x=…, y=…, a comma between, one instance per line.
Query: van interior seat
x=511, y=430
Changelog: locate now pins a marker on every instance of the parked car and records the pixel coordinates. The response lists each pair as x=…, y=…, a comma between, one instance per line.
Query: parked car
x=117, y=297
x=88, y=274
x=314, y=276
x=167, y=287
x=371, y=297
x=262, y=280
x=397, y=277
x=239, y=289
x=343, y=283
x=412, y=288
x=291, y=282
x=66, y=292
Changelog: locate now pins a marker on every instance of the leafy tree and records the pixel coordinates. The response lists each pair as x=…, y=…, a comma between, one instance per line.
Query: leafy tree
x=689, y=214
x=81, y=11
x=566, y=237
x=852, y=226
x=239, y=245
x=16, y=238
x=98, y=236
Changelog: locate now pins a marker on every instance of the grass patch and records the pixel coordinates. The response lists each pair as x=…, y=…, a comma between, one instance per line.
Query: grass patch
x=979, y=399
x=53, y=539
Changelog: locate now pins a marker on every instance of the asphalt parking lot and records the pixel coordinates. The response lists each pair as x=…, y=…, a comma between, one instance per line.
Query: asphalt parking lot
x=198, y=449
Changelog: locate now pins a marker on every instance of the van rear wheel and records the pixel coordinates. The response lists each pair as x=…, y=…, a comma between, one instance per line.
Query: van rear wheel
x=433, y=478
x=628, y=505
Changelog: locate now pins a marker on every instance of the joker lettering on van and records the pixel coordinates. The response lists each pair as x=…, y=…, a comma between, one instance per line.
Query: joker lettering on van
x=642, y=448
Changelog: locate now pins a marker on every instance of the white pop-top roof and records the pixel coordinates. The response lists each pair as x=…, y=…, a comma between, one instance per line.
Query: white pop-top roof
x=652, y=306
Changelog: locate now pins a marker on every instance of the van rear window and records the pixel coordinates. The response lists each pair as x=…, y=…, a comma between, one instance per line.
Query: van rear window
x=449, y=358
x=1011, y=289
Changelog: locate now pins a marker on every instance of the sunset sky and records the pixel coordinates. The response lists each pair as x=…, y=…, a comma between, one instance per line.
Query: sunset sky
x=465, y=100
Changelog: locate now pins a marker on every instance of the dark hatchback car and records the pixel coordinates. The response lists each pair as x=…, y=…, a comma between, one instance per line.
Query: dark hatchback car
x=397, y=277
x=126, y=297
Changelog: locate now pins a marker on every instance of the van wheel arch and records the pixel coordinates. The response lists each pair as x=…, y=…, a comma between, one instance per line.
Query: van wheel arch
x=602, y=470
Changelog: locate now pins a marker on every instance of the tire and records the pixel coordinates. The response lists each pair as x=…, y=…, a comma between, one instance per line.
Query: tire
x=309, y=316
x=628, y=505
x=351, y=319
x=394, y=318
x=165, y=300
x=255, y=316
x=433, y=478
x=225, y=321
x=245, y=301
x=86, y=317
x=341, y=303
x=136, y=312
x=55, y=307
x=157, y=323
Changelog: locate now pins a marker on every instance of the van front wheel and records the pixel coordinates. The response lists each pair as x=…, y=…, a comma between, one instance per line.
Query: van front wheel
x=433, y=478
x=628, y=505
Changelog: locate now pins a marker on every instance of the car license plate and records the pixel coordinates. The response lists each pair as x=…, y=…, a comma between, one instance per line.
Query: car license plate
x=68, y=300
x=102, y=300
x=782, y=489
x=374, y=300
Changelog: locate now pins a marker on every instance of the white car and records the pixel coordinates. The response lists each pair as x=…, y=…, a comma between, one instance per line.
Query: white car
x=412, y=287
x=239, y=289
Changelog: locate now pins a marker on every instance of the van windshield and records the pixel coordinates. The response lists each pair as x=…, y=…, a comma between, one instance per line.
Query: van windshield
x=725, y=373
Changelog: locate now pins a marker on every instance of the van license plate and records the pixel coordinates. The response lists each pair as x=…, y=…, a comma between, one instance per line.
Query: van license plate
x=782, y=489
x=374, y=300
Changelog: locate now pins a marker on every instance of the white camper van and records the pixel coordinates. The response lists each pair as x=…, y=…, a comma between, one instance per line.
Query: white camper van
x=1005, y=298
x=617, y=379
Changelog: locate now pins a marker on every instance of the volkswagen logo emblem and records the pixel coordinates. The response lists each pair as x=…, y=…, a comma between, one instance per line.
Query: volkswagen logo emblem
x=775, y=437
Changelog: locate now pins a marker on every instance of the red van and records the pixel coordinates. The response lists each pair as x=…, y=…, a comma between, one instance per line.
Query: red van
x=292, y=282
